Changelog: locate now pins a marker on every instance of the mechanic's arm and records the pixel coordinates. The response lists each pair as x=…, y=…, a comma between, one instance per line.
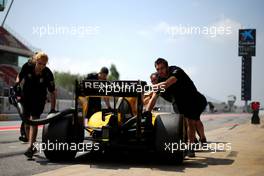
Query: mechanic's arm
x=21, y=74
x=107, y=102
x=146, y=98
x=17, y=79
x=152, y=101
x=17, y=87
x=164, y=85
x=52, y=100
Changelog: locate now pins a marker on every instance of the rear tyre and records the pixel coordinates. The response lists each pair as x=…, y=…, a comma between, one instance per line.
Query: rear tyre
x=61, y=138
x=169, y=135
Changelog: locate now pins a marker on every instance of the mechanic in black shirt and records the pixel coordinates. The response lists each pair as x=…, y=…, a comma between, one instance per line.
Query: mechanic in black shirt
x=94, y=103
x=37, y=79
x=147, y=96
x=182, y=93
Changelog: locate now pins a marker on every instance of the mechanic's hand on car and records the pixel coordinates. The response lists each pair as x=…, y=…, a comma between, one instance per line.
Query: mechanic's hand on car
x=53, y=111
x=147, y=114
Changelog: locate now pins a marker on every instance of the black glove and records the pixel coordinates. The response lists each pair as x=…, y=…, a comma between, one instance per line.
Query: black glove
x=17, y=89
x=12, y=98
x=53, y=111
x=148, y=116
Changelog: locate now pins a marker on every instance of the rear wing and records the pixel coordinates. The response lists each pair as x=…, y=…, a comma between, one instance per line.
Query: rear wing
x=114, y=89
x=110, y=88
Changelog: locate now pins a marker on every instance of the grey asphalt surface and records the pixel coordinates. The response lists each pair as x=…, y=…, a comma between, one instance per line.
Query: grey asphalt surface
x=13, y=162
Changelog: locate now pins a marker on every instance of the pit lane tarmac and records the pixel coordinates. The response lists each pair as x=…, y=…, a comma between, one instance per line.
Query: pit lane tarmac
x=245, y=157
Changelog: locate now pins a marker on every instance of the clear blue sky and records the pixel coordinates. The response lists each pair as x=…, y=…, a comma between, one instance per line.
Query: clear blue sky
x=132, y=34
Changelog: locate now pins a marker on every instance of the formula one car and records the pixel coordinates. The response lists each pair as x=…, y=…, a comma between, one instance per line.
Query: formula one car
x=124, y=127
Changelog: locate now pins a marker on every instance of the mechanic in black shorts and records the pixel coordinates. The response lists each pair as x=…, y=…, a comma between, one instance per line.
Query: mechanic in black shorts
x=36, y=79
x=182, y=93
x=94, y=103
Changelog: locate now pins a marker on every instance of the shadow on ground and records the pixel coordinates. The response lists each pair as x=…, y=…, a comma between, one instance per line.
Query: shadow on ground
x=125, y=160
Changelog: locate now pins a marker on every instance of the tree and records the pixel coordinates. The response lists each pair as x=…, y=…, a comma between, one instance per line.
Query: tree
x=114, y=74
x=66, y=80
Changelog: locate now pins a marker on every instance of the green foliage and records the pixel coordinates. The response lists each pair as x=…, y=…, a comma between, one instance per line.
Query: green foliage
x=66, y=80
x=114, y=74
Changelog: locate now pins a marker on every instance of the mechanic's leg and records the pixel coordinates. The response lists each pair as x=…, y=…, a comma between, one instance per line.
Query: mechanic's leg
x=197, y=131
x=33, y=130
x=200, y=128
x=191, y=137
x=33, y=133
x=191, y=130
x=23, y=135
x=186, y=138
x=27, y=129
x=22, y=129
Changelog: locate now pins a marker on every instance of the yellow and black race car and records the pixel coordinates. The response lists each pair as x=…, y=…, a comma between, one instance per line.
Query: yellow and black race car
x=125, y=126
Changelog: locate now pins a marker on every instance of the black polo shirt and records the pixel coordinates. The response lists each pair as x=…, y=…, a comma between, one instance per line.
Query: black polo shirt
x=92, y=76
x=36, y=86
x=183, y=93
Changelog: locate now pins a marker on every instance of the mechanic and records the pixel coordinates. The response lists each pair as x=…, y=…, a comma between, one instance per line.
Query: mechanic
x=94, y=103
x=154, y=78
x=37, y=79
x=182, y=93
x=147, y=96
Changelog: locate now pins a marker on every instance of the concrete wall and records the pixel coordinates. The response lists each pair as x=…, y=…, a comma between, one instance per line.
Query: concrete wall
x=6, y=108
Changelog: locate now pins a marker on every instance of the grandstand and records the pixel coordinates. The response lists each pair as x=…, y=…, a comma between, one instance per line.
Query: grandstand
x=13, y=53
